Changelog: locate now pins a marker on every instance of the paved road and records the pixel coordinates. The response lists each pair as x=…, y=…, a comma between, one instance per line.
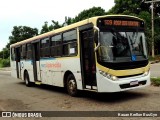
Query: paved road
x=155, y=70
x=14, y=95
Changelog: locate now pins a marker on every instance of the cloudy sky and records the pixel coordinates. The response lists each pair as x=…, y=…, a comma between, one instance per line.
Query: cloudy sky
x=34, y=13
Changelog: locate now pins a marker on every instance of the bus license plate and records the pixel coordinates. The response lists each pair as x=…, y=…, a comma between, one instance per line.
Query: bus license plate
x=134, y=83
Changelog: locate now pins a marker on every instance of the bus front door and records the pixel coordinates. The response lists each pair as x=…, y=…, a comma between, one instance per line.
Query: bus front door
x=88, y=65
x=35, y=61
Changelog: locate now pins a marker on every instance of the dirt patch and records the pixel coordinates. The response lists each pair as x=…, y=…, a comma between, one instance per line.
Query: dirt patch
x=12, y=104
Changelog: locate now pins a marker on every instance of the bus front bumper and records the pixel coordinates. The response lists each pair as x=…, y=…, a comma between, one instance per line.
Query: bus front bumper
x=123, y=84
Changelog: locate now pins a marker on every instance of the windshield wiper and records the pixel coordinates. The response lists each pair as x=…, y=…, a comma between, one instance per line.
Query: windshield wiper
x=116, y=34
x=133, y=39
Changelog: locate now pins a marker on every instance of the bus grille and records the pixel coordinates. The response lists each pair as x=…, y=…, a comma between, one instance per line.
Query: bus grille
x=123, y=86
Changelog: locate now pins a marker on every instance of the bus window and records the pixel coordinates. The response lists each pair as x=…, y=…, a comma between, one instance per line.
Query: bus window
x=70, y=43
x=56, y=45
x=45, y=47
x=13, y=54
x=29, y=51
x=23, y=52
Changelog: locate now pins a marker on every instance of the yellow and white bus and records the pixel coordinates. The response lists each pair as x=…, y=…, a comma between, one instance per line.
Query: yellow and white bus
x=101, y=54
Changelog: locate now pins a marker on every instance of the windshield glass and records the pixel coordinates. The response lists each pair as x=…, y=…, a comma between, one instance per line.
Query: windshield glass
x=122, y=46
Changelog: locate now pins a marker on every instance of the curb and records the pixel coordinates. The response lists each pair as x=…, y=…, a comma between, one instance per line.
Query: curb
x=5, y=69
x=156, y=61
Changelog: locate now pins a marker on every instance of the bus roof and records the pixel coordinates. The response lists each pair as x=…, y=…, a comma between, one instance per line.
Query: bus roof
x=74, y=25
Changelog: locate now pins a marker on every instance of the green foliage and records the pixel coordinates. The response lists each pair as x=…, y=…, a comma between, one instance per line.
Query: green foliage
x=140, y=9
x=157, y=29
x=20, y=33
x=126, y=7
x=156, y=58
x=45, y=28
x=132, y=6
x=4, y=62
x=95, y=11
x=4, y=53
x=85, y=14
x=68, y=21
x=1, y=54
x=53, y=26
x=56, y=25
x=155, y=81
x=146, y=16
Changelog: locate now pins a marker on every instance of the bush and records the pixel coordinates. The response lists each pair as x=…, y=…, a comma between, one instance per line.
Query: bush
x=157, y=57
x=155, y=81
x=4, y=62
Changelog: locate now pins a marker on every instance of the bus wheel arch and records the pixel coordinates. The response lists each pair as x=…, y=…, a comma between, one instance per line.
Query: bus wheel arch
x=27, y=79
x=70, y=83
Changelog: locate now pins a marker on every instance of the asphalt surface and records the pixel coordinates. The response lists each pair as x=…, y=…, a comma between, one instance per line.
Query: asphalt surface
x=15, y=96
x=155, y=70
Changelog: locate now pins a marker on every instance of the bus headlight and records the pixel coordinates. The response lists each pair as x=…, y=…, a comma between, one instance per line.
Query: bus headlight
x=109, y=76
x=146, y=73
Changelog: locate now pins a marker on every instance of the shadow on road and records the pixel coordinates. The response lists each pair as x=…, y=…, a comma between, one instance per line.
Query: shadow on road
x=101, y=97
x=114, y=97
x=47, y=88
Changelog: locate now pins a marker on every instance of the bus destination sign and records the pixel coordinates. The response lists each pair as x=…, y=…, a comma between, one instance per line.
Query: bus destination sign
x=127, y=23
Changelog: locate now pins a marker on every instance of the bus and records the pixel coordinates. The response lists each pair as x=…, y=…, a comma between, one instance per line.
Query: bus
x=100, y=54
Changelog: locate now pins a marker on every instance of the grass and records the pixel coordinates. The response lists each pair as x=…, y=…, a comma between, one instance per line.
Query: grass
x=151, y=58
x=4, y=62
x=155, y=81
x=157, y=57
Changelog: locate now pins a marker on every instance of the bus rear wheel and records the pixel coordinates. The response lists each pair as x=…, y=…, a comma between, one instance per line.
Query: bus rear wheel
x=72, y=86
x=26, y=79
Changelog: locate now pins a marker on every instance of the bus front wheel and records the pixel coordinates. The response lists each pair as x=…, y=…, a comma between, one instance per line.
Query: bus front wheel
x=26, y=79
x=71, y=85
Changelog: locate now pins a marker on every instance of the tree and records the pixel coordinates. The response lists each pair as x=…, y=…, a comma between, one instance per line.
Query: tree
x=53, y=26
x=130, y=7
x=157, y=35
x=4, y=54
x=1, y=54
x=95, y=11
x=56, y=25
x=68, y=21
x=20, y=33
x=46, y=28
x=140, y=9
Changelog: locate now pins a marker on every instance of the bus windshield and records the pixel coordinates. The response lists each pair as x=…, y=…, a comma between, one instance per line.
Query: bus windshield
x=122, y=46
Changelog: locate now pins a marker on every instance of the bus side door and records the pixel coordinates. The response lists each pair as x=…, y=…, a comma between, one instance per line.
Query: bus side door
x=14, y=63
x=88, y=65
x=36, y=61
x=18, y=65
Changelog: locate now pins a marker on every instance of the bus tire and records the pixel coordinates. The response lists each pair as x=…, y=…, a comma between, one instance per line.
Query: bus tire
x=72, y=85
x=26, y=80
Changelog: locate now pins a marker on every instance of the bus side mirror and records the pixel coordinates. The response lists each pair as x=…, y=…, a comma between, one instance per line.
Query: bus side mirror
x=97, y=38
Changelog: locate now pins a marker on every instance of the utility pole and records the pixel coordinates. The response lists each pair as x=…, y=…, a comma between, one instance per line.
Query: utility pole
x=152, y=19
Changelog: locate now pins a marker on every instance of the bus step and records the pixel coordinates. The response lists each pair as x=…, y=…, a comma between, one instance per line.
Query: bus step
x=38, y=83
x=92, y=90
x=91, y=87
